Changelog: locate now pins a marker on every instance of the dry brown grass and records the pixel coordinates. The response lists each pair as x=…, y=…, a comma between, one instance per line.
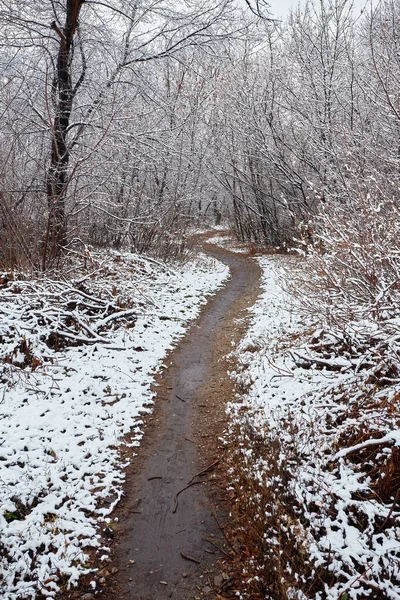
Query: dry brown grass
x=270, y=528
x=267, y=527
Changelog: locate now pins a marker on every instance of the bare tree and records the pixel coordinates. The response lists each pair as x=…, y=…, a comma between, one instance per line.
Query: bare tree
x=85, y=51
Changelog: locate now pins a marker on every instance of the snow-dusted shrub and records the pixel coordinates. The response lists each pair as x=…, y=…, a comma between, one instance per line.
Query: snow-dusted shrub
x=353, y=261
x=350, y=280
x=315, y=463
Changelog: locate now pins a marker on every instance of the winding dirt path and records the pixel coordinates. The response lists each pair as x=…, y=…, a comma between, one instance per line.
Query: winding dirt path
x=170, y=546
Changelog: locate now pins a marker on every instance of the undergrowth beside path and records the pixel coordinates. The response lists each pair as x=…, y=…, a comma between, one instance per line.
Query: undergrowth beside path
x=77, y=359
x=314, y=453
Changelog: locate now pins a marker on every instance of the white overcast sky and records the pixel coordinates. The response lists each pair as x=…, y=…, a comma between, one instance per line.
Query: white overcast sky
x=281, y=8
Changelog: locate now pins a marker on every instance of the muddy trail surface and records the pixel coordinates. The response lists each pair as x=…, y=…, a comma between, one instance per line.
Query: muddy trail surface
x=169, y=541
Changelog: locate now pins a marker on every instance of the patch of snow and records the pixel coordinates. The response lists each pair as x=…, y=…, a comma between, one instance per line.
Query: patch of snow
x=229, y=243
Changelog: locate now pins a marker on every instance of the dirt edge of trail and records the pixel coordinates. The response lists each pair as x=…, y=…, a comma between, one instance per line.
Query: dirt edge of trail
x=211, y=576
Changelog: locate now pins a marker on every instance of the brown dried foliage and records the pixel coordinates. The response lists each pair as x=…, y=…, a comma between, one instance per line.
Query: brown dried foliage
x=267, y=527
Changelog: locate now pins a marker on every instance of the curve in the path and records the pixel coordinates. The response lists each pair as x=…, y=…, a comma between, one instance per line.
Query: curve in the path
x=161, y=537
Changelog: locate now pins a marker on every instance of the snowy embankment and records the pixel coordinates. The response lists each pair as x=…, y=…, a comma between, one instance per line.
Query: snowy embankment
x=78, y=359
x=316, y=468
x=224, y=240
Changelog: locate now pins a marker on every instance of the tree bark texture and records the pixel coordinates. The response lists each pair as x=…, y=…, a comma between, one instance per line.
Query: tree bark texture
x=63, y=93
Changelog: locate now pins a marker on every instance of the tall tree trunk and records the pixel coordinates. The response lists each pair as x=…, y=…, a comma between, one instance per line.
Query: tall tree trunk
x=63, y=92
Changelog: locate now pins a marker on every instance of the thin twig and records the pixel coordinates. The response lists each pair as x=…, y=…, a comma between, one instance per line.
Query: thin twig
x=191, y=482
x=225, y=583
x=187, y=557
x=218, y=547
x=205, y=470
x=396, y=499
x=180, y=492
x=222, y=529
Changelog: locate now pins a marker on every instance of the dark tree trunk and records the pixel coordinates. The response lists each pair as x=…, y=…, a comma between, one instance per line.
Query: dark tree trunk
x=64, y=93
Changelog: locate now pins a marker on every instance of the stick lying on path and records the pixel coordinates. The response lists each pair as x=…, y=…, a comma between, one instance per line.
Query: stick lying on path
x=205, y=470
x=182, y=490
x=187, y=557
x=218, y=547
x=191, y=482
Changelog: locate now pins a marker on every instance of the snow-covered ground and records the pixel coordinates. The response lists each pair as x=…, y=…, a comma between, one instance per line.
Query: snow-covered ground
x=317, y=463
x=224, y=240
x=78, y=359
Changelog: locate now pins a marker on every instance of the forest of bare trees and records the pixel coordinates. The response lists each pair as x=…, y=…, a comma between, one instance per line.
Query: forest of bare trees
x=122, y=124
x=127, y=127
x=101, y=110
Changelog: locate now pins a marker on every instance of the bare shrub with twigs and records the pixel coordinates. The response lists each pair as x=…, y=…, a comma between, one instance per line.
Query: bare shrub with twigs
x=315, y=470
x=353, y=261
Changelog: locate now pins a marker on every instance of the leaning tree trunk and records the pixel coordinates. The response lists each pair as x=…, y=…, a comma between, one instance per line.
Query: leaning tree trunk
x=63, y=93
